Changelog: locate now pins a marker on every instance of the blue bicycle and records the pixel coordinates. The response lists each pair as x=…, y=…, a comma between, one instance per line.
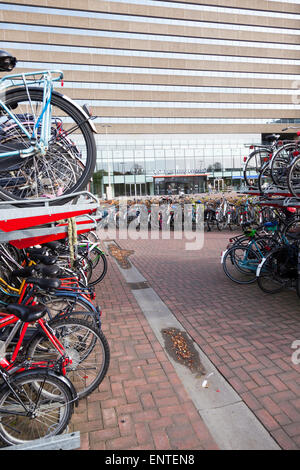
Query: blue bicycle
x=47, y=143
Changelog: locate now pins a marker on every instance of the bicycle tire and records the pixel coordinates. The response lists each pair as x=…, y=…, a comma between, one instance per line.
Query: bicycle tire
x=86, y=351
x=279, y=163
x=292, y=227
x=18, y=429
x=78, y=307
x=266, y=275
x=253, y=165
x=98, y=271
x=46, y=175
x=238, y=273
x=264, y=173
x=293, y=178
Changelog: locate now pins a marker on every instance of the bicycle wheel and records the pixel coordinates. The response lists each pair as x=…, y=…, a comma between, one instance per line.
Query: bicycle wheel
x=280, y=162
x=269, y=277
x=264, y=178
x=240, y=263
x=85, y=345
x=74, y=306
x=293, y=178
x=69, y=161
x=35, y=405
x=99, y=266
x=292, y=227
x=253, y=165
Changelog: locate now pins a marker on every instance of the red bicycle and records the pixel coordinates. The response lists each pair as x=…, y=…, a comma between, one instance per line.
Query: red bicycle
x=81, y=349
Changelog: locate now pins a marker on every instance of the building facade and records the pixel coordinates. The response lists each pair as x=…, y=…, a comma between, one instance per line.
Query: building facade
x=177, y=87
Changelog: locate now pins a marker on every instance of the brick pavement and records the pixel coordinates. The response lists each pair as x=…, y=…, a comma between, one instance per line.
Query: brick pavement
x=141, y=404
x=245, y=333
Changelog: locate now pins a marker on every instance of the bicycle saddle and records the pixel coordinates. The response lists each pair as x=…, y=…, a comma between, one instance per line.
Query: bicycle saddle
x=7, y=61
x=25, y=272
x=27, y=313
x=37, y=251
x=45, y=259
x=44, y=283
x=47, y=271
x=55, y=245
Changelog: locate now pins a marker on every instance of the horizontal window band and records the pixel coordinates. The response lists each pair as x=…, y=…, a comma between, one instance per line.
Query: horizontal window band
x=177, y=5
x=152, y=20
x=184, y=104
x=161, y=71
x=140, y=54
x=125, y=120
x=172, y=88
x=153, y=37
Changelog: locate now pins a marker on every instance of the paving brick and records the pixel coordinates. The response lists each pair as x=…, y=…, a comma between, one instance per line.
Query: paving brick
x=245, y=333
x=247, y=341
x=161, y=440
x=109, y=417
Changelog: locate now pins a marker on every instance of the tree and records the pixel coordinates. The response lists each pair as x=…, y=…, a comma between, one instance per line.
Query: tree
x=97, y=180
x=137, y=169
x=217, y=166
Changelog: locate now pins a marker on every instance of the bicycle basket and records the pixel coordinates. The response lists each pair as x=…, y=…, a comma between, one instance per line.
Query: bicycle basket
x=7, y=61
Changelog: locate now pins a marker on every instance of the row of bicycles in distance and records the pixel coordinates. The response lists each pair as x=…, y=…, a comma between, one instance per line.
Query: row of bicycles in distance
x=53, y=352
x=219, y=214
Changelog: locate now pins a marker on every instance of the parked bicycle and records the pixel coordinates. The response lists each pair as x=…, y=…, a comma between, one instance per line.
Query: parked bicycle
x=47, y=143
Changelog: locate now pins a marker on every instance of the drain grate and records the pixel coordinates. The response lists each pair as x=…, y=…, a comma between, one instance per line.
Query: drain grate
x=138, y=285
x=181, y=348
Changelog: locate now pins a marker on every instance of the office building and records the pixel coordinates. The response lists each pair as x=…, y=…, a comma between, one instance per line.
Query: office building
x=178, y=87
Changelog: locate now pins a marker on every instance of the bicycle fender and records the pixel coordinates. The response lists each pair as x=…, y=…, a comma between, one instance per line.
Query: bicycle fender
x=85, y=116
x=63, y=378
x=80, y=109
x=69, y=384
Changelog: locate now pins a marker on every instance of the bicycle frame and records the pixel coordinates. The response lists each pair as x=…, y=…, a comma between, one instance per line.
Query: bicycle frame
x=10, y=319
x=43, y=121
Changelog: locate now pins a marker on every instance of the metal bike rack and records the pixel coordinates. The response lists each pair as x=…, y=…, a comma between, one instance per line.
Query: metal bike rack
x=31, y=222
x=69, y=441
x=273, y=197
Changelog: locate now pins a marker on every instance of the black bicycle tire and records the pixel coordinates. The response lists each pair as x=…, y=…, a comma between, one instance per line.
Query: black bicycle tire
x=77, y=307
x=259, y=180
x=225, y=269
x=290, y=146
x=103, y=273
x=289, y=178
x=260, y=277
x=20, y=94
x=252, y=154
x=290, y=224
x=33, y=376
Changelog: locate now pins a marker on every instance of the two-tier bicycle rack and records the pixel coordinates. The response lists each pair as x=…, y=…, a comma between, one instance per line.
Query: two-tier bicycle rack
x=30, y=222
x=33, y=222
x=273, y=197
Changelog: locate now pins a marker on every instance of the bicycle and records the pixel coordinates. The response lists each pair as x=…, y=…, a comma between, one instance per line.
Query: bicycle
x=83, y=348
x=34, y=404
x=47, y=143
x=257, y=159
